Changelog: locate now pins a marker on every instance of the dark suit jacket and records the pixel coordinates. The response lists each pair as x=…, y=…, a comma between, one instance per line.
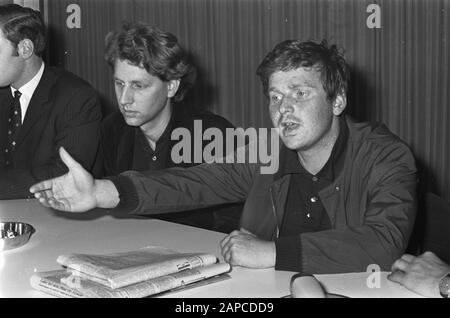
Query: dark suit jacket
x=64, y=111
x=118, y=141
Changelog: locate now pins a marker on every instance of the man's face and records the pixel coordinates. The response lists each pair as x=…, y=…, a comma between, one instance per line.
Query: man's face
x=143, y=98
x=299, y=108
x=11, y=65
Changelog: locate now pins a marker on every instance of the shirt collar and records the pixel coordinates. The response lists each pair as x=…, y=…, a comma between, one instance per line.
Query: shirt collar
x=28, y=89
x=289, y=162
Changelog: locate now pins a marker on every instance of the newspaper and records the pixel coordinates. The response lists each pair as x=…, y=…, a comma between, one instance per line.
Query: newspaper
x=122, y=269
x=62, y=283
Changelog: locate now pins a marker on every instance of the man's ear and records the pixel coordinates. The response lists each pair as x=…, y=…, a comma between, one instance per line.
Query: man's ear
x=172, y=87
x=339, y=104
x=25, y=48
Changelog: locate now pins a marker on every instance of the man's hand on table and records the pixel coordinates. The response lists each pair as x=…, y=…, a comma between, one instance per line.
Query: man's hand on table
x=420, y=274
x=243, y=248
x=76, y=191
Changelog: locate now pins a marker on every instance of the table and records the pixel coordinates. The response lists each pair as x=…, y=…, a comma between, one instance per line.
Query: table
x=98, y=232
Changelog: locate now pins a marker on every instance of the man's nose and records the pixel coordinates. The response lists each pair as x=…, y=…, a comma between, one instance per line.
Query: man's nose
x=126, y=96
x=286, y=105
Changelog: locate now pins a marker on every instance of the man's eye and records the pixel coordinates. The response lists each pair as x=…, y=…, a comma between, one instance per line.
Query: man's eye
x=118, y=84
x=137, y=86
x=275, y=98
x=301, y=94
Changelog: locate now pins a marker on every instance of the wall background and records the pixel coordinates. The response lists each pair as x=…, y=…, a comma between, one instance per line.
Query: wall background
x=400, y=71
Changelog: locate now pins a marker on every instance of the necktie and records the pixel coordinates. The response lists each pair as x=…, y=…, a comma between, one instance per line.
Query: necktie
x=14, y=123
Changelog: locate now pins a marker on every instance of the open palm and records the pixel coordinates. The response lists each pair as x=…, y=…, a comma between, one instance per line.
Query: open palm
x=72, y=192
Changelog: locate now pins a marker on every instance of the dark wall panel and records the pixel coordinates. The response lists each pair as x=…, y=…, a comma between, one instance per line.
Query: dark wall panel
x=400, y=71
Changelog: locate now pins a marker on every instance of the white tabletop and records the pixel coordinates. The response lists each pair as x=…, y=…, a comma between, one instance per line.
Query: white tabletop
x=96, y=232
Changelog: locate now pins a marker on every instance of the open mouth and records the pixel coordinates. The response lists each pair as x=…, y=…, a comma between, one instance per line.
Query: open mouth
x=289, y=126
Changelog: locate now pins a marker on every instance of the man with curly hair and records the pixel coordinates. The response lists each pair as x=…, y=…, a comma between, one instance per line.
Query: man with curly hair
x=152, y=74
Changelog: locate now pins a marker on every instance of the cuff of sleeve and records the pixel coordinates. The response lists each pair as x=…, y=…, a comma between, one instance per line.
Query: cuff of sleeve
x=289, y=254
x=127, y=193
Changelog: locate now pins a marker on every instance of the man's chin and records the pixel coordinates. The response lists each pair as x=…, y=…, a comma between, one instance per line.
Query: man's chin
x=291, y=144
x=132, y=122
x=4, y=84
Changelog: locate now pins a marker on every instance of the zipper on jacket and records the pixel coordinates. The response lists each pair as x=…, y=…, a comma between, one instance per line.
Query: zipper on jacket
x=274, y=212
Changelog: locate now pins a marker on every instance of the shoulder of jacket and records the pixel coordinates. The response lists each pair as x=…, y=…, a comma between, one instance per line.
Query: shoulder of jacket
x=373, y=134
x=65, y=78
x=374, y=143
x=186, y=117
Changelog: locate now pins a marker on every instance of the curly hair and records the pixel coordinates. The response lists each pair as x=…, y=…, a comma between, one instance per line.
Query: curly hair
x=157, y=51
x=19, y=23
x=292, y=54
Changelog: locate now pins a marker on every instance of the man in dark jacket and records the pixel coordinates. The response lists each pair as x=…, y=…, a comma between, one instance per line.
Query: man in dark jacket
x=41, y=108
x=151, y=77
x=343, y=198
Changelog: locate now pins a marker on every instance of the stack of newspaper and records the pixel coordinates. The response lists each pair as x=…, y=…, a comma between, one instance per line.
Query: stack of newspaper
x=147, y=271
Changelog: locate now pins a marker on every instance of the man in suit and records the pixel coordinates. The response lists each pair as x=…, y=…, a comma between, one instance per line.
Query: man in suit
x=152, y=74
x=41, y=108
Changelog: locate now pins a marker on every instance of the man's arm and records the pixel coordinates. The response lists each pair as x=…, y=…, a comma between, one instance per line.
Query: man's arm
x=180, y=189
x=77, y=130
x=148, y=192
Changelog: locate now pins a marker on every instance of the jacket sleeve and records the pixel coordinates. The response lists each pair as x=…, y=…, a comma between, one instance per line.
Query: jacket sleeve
x=387, y=219
x=77, y=130
x=179, y=189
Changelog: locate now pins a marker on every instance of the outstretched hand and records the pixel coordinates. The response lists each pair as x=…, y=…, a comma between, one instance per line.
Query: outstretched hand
x=72, y=192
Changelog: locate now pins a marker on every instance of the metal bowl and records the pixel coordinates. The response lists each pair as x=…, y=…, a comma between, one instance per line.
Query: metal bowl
x=14, y=234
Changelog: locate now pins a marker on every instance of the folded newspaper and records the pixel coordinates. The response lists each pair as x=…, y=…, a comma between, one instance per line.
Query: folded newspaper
x=140, y=273
x=61, y=283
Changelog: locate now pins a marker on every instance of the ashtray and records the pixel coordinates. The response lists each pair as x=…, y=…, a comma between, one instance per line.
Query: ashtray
x=14, y=234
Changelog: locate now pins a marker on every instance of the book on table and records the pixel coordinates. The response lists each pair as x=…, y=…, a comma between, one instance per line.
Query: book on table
x=141, y=273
